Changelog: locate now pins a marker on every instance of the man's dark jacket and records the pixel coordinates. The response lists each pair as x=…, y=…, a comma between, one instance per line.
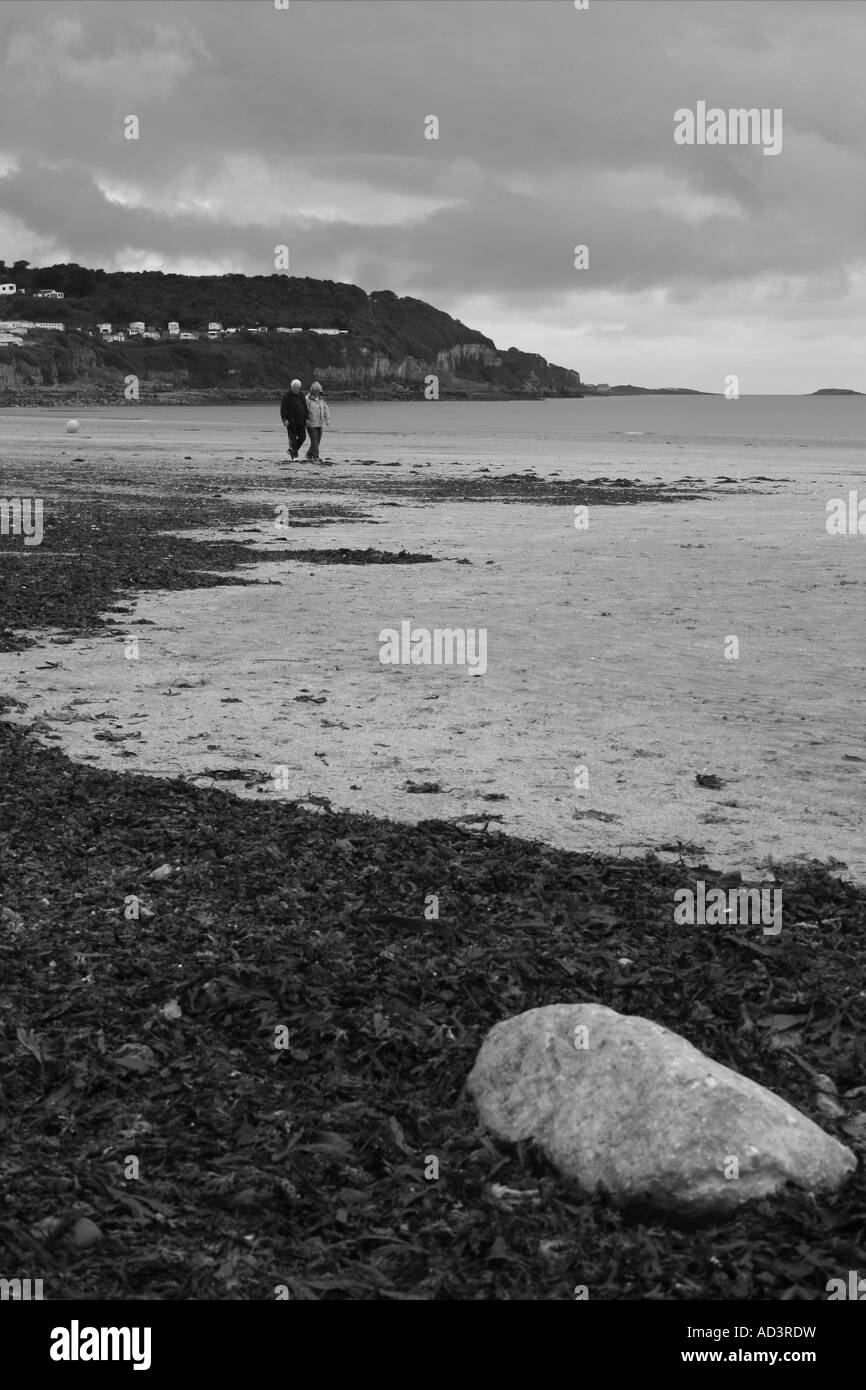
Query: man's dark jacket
x=293, y=407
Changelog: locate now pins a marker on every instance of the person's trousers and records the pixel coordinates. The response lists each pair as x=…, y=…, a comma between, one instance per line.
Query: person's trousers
x=315, y=433
x=297, y=435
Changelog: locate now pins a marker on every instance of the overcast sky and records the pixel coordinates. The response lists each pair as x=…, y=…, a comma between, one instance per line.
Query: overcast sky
x=306, y=126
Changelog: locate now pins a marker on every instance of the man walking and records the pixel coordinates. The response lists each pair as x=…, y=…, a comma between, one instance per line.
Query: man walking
x=293, y=413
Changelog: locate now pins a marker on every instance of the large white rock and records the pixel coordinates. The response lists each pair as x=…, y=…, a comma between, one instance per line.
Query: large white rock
x=620, y=1103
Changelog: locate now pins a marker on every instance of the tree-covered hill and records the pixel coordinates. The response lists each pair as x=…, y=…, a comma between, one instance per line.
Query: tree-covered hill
x=389, y=345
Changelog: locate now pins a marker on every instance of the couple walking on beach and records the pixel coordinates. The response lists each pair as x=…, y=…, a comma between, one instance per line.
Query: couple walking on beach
x=304, y=415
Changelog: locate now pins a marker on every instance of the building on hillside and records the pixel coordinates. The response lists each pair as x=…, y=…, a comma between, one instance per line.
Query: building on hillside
x=103, y=327
x=214, y=328
x=48, y=294
x=152, y=334
x=7, y=289
x=10, y=340
x=136, y=328
x=257, y=330
x=330, y=330
x=21, y=324
x=232, y=330
x=188, y=336
x=174, y=328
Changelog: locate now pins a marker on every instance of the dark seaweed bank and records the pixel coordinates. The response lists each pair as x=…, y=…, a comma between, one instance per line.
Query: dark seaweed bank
x=280, y=1038
x=112, y=542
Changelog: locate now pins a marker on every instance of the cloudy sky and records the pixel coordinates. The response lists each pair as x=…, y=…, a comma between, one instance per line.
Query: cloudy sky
x=306, y=126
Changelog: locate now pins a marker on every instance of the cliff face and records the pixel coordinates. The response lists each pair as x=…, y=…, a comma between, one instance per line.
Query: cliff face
x=52, y=360
x=16, y=375
x=245, y=369
x=389, y=346
x=473, y=354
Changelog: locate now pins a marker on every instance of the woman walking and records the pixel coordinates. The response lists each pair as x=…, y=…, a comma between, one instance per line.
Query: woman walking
x=318, y=416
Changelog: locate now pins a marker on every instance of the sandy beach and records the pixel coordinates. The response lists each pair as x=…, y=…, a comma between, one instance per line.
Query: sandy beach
x=606, y=646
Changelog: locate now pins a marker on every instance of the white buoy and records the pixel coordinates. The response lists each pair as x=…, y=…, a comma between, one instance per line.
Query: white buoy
x=72, y=427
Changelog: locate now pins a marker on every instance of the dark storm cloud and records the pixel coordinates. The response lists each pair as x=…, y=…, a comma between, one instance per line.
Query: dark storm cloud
x=261, y=126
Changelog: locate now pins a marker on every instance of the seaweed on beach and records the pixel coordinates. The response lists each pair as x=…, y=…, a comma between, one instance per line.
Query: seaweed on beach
x=99, y=546
x=114, y=534
x=341, y=555
x=525, y=488
x=246, y=1005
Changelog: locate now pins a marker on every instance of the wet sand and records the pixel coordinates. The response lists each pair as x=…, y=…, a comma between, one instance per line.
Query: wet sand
x=605, y=650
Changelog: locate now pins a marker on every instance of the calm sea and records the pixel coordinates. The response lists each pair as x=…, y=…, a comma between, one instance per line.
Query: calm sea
x=641, y=436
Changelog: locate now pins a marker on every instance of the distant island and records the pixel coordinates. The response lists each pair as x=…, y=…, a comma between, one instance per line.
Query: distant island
x=650, y=391
x=835, y=391
x=73, y=335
